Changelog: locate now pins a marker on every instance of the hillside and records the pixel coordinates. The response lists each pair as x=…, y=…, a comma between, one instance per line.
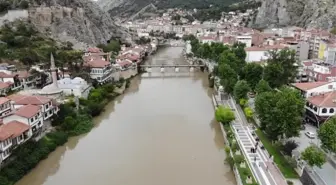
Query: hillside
x=81, y=22
x=126, y=8
x=304, y=13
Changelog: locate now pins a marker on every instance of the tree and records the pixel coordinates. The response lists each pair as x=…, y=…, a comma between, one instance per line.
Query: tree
x=262, y=86
x=289, y=146
x=272, y=74
x=228, y=77
x=252, y=74
x=281, y=68
x=313, y=156
x=229, y=58
x=280, y=113
x=241, y=89
x=224, y=115
x=327, y=134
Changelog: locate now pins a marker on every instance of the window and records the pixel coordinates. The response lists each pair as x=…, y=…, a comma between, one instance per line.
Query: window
x=307, y=104
x=47, y=106
x=331, y=110
x=45, y=115
x=324, y=110
x=315, y=109
x=21, y=137
x=50, y=112
x=6, y=153
x=39, y=123
x=31, y=119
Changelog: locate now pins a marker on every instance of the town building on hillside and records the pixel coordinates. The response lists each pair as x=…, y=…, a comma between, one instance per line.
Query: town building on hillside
x=12, y=134
x=320, y=108
x=257, y=54
x=101, y=70
x=5, y=106
x=48, y=106
x=5, y=87
x=320, y=71
x=245, y=39
x=301, y=49
x=309, y=89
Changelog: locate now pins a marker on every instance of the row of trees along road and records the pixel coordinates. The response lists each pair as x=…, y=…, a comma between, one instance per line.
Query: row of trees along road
x=279, y=108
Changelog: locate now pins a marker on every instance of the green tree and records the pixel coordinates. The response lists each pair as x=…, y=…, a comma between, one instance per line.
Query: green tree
x=333, y=30
x=228, y=77
x=224, y=115
x=252, y=74
x=313, y=156
x=262, y=86
x=240, y=90
x=280, y=113
x=281, y=68
x=327, y=134
x=229, y=58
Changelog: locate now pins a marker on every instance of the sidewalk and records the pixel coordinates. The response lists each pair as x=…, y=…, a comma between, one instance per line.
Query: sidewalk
x=264, y=171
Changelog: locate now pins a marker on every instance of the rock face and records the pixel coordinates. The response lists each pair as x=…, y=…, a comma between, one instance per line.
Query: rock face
x=123, y=7
x=78, y=21
x=304, y=13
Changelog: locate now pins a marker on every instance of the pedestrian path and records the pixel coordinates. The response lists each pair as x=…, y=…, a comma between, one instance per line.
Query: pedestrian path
x=260, y=163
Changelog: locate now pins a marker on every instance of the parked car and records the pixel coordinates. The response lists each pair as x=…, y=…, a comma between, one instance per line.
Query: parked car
x=311, y=135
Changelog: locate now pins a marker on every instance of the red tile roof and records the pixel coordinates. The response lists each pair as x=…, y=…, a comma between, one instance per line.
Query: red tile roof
x=94, y=50
x=97, y=63
x=28, y=111
x=3, y=100
x=324, y=100
x=5, y=85
x=309, y=85
x=25, y=100
x=124, y=63
x=12, y=129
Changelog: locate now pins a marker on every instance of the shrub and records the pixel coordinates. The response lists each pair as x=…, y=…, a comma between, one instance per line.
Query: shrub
x=290, y=182
x=288, y=147
x=238, y=159
x=227, y=150
x=229, y=160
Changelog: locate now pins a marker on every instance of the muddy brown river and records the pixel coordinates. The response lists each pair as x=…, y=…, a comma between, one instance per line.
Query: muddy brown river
x=160, y=132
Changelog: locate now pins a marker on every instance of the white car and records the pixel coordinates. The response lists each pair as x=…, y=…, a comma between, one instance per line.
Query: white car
x=311, y=135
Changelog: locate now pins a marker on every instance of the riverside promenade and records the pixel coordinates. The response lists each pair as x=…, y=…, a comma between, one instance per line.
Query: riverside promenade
x=263, y=169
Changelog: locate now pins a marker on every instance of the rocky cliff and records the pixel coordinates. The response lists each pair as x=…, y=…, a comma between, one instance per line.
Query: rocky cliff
x=304, y=13
x=78, y=21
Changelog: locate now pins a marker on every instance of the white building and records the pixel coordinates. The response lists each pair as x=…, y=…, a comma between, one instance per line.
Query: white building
x=246, y=39
x=101, y=70
x=309, y=89
x=12, y=134
x=77, y=87
x=5, y=106
x=48, y=108
x=257, y=54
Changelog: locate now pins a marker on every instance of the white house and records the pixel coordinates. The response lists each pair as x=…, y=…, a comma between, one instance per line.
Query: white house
x=30, y=115
x=12, y=134
x=5, y=106
x=320, y=108
x=100, y=70
x=309, y=89
x=46, y=104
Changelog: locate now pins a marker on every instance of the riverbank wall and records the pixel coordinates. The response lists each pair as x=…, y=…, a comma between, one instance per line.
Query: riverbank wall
x=226, y=142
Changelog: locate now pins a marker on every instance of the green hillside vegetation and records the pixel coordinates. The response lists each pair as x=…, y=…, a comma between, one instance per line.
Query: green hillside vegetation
x=21, y=41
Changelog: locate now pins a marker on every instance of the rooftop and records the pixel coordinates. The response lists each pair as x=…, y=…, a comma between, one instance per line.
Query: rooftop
x=324, y=100
x=97, y=63
x=309, y=85
x=12, y=129
x=25, y=100
x=28, y=111
x=3, y=100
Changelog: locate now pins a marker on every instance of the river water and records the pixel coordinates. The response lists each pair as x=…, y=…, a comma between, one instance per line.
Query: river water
x=160, y=132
